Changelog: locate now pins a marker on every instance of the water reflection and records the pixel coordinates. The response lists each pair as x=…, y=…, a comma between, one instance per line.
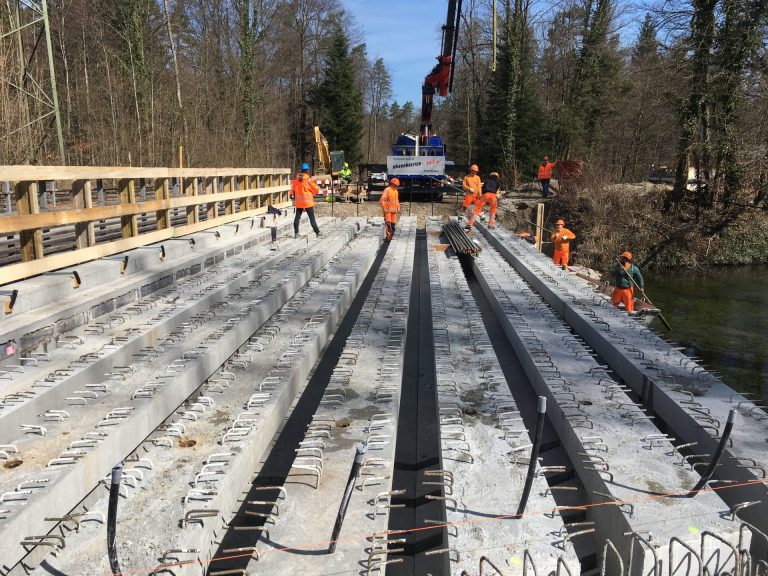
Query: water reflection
x=720, y=316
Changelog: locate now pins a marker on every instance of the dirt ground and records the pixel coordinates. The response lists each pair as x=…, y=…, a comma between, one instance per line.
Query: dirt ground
x=513, y=211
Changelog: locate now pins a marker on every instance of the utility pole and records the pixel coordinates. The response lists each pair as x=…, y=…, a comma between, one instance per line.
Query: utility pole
x=33, y=15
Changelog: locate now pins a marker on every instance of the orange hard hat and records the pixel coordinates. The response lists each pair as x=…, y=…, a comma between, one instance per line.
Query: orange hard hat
x=561, y=222
x=627, y=255
x=395, y=182
x=474, y=168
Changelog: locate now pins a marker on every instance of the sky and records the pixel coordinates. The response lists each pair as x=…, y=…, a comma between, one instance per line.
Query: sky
x=406, y=34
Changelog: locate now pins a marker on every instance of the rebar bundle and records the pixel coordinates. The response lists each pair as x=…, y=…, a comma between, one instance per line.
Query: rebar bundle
x=458, y=239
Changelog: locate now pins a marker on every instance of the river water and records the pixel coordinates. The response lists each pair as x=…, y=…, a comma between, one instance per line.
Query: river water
x=720, y=316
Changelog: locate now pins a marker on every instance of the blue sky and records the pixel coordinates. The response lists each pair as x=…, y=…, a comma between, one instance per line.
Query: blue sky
x=406, y=34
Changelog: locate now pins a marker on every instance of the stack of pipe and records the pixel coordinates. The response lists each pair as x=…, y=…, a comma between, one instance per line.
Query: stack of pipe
x=459, y=241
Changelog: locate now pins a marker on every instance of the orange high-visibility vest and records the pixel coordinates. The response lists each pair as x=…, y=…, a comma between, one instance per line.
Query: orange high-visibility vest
x=545, y=170
x=390, y=200
x=560, y=242
x=303, y=190
x=472, y=185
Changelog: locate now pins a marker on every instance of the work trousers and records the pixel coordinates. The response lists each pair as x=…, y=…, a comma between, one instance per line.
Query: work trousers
x=311, y=213
x=560, y=258
x=468, y=200
x=390, y=222
x=544, y=187
x=487, y=198
x=625, y=295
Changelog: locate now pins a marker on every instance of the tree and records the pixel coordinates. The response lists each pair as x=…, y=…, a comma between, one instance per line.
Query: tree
x=339, y=101
x=379, y=91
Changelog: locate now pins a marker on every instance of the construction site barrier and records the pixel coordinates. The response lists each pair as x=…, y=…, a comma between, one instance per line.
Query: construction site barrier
x=52, y=217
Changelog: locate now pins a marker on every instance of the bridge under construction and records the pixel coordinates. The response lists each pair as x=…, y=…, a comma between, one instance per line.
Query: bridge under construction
x=179, y=370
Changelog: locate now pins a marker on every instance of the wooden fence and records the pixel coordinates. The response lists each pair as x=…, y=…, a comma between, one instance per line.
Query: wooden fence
x=53, y=217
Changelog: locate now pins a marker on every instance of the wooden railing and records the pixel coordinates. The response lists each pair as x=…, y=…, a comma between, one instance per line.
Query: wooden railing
x=92, y=212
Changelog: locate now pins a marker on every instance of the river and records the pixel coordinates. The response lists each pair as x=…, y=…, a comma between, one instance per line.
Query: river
x=720, y=316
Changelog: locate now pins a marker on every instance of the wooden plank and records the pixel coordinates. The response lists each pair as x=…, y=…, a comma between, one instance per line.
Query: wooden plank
x=81, y=199
x=15, y=272
x=31, y=241
x=127, y=194
x=162, y=194
x=15, y=173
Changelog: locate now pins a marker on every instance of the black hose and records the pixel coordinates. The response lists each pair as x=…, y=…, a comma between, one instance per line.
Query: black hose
x=716, y=458
x=534, y=456
x=114, y=493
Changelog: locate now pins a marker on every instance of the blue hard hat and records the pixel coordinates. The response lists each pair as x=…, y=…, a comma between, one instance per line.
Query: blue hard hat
x=305, y=166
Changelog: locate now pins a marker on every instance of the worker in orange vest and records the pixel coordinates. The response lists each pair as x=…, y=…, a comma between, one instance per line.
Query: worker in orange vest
x=545, y=174
x=390, y=207
x=490, y=189
x=625, y=276
x=472, y=187
x=303, y=190
x=562, y=238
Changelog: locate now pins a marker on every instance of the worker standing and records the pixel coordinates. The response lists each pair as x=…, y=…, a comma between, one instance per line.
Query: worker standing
x=345, y=174
x=390, y=207
x=545, y=175
x=625, y=276
x=490, y=190
x=562, y=239
x=472, y=187
x=303, y=190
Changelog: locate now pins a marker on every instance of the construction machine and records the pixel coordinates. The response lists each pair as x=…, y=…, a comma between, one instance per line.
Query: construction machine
x=418, y=160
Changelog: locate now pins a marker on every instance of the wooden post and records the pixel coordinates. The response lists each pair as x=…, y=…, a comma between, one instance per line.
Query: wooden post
x=539, y=224
x=229, y=205
x=190, y=190
x=163, y=192
x=82, y=200
x=212, y=187
x=127, y=194
x=31, y=241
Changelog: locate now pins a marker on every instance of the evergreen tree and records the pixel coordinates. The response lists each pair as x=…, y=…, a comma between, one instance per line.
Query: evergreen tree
x=340, y=102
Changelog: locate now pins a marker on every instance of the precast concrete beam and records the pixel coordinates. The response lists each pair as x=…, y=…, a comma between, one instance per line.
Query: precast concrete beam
x=691, y=401
x=72, y=483
x=485, y=444
x=633, y=487
x=360, y=405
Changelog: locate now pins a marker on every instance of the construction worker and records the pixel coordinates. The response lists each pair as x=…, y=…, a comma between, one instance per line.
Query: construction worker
x=303, y=190
x=490, y=189
x=562, y=238
x=345, y=174
x=545, y=174
x=390, y=207
x=625, y=276
x=472, y=187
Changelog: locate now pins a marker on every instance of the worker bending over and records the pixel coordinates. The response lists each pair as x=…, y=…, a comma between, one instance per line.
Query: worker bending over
x=562, y=238
x=625, y=277
x=472, y=187
x=490, y=190
x=390, y=207
x=345, y=174
x=303, y=190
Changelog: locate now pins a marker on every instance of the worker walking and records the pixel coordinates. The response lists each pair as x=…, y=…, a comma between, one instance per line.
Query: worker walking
x=490, y=190
x=545, y=175
x=303, y=190
x=625, y=276
x=472, y=187
x=390, y=207
x=562, y=239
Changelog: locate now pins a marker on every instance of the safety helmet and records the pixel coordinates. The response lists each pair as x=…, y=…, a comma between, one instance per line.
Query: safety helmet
x=560, y=222
x=305, y=166
x=495, y=174
x=627, y=255
x=395, y=182
x=346, y=165
x=474, y=168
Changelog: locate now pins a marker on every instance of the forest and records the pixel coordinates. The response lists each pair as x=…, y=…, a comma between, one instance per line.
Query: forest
x=623, y=86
